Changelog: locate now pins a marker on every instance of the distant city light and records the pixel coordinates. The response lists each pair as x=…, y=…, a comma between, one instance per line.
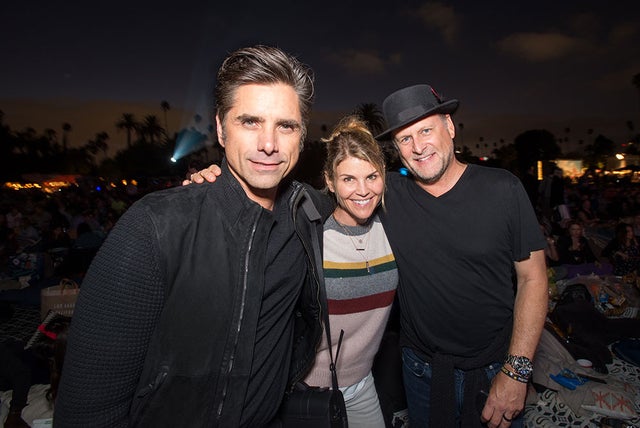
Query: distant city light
x=540, y=170
x=619, y=156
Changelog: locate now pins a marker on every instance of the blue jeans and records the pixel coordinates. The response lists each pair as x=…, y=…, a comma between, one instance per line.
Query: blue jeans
x=417, y=384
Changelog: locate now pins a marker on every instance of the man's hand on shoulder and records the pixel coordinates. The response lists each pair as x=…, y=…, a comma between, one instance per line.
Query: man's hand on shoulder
x=209, y=174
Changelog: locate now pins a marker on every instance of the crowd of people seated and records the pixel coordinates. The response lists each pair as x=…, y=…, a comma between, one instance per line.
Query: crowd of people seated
x=585, y=222
x=44, y=238
x=65, y=229
x=594, y=223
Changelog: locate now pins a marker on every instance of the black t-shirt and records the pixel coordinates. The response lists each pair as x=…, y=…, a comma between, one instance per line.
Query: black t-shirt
x=286, y=269
x=455, y=255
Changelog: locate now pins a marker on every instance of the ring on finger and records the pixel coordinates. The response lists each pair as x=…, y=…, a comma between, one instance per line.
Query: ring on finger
x=506, y=418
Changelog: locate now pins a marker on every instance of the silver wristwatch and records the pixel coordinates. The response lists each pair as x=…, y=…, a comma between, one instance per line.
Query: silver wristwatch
x=522, y=365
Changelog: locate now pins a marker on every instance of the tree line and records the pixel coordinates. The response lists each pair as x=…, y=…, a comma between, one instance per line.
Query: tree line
x=150, y=145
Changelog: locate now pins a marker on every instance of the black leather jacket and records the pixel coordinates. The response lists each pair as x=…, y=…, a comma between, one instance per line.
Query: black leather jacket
x=196, y=362
x=208, y=380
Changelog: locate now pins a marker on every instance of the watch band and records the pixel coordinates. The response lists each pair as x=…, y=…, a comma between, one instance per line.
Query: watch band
x=522, y=366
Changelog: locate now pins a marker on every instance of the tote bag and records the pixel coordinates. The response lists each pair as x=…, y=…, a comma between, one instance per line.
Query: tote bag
x=59, y=298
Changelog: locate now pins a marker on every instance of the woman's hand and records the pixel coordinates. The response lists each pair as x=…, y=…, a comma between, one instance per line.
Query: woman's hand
x=209, y=174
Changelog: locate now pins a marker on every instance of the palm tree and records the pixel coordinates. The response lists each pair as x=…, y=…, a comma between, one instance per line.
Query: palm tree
x=66, y=128
x=26, y=137
x=52, y=137
x=372, y=117
x=101, y=142
x=165, y=106
x=151, y=128
x=128, y=123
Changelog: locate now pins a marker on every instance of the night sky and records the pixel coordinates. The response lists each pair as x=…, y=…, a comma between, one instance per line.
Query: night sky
x=514, y=66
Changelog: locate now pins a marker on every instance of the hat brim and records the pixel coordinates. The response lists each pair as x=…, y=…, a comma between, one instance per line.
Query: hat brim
x=447, y=107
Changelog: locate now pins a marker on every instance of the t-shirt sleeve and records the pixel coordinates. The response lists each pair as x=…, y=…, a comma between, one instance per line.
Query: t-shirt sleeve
x=527, y=234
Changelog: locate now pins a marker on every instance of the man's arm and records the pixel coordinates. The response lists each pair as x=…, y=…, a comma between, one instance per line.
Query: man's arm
x=507, y=395
x=119, y=302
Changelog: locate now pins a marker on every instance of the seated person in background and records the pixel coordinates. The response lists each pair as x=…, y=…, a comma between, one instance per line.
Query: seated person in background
x=15, y=376
x=57, y=238
x=83, y=249
x=622, y=250
x=39, y=361
x=551, y=250
x=87, y=238
x=573, y=247
x=586, y=215
x=27, y=236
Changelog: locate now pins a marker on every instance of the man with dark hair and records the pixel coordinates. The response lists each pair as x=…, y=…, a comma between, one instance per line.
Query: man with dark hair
x=201, y=307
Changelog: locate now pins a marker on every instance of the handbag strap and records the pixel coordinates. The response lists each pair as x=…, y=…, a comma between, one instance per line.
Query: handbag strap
x=325, y=309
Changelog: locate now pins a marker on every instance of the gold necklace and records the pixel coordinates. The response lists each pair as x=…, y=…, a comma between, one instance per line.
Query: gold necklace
x=361, y=247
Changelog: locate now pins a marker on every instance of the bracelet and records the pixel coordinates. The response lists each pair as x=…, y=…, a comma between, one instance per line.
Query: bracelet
x=514, y=376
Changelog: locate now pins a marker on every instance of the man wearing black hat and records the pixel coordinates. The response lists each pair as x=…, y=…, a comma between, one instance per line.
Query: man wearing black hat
x=473, y=286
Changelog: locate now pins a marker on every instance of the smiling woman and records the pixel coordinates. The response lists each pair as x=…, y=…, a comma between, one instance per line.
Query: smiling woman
x=359, y=268
x=358, y=187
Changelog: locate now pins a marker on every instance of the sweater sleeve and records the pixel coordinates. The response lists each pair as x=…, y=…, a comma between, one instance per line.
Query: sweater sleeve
x=118, y=306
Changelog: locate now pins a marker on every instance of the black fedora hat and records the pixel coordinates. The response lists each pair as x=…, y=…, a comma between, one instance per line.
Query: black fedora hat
x=407, y=105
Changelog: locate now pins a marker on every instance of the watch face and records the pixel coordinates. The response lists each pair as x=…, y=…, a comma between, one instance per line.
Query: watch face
x=522, y=366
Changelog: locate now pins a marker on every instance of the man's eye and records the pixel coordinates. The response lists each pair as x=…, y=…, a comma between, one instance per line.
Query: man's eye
x=373, y=177
x=288, y=127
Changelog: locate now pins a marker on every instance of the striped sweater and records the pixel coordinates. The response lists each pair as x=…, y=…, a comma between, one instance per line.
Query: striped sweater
x=359, y=299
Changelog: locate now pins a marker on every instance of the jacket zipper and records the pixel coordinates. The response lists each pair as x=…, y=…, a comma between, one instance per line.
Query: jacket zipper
x=240, y=317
